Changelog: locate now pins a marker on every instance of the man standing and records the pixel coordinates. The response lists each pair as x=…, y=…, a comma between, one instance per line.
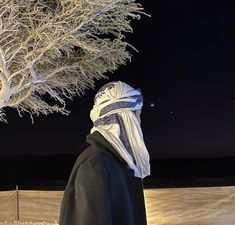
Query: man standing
x=106, y=183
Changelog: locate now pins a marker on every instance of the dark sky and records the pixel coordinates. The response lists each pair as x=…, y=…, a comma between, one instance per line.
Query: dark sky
x=185, y=69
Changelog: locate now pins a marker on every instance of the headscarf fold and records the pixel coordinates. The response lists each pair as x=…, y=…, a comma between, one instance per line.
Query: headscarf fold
x=113, y=115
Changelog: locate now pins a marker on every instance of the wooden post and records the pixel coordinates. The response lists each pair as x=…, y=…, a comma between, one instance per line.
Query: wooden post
x=17, y=203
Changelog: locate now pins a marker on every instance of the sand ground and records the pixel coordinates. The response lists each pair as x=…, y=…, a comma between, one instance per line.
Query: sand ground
x=183, y=206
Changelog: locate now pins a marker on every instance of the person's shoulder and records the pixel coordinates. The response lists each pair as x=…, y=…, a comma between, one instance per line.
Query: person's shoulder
x=95, y=157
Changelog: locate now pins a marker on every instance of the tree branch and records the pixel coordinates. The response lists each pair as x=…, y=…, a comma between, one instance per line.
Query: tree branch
x=3, y=68
x=59, y=48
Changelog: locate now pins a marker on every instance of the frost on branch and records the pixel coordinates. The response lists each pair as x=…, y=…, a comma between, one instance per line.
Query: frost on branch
x=59, y=48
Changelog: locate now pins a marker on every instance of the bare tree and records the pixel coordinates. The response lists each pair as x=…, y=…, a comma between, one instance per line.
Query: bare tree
x=59, y=48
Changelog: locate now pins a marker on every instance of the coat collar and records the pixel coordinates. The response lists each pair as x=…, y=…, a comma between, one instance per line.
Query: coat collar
x=97, y=140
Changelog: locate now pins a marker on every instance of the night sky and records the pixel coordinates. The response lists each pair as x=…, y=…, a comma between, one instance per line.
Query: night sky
x=185, y=69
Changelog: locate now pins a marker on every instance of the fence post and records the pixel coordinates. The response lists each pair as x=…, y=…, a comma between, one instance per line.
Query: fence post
x=17, y=203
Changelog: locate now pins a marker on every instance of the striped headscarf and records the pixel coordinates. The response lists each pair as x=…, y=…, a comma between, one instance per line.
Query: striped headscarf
x=114, y=116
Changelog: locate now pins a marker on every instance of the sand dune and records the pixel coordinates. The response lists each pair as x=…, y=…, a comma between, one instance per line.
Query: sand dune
x=191, y=206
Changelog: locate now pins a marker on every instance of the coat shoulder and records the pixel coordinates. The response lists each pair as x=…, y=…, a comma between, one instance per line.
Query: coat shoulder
x=92, y=156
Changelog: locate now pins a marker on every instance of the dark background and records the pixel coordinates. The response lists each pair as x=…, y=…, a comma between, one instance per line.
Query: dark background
x=185, y=69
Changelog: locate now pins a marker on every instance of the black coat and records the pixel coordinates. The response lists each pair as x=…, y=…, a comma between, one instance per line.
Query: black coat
x=101, y=189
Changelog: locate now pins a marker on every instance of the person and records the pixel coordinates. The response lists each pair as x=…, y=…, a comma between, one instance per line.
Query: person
x=105, y=186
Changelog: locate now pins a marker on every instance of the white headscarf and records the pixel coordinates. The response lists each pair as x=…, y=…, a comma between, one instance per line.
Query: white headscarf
x=113, y=115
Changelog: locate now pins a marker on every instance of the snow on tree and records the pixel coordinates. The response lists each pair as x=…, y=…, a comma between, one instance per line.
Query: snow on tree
x=58, y=48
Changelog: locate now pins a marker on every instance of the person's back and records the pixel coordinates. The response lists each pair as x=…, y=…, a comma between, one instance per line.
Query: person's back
x=105, y=186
